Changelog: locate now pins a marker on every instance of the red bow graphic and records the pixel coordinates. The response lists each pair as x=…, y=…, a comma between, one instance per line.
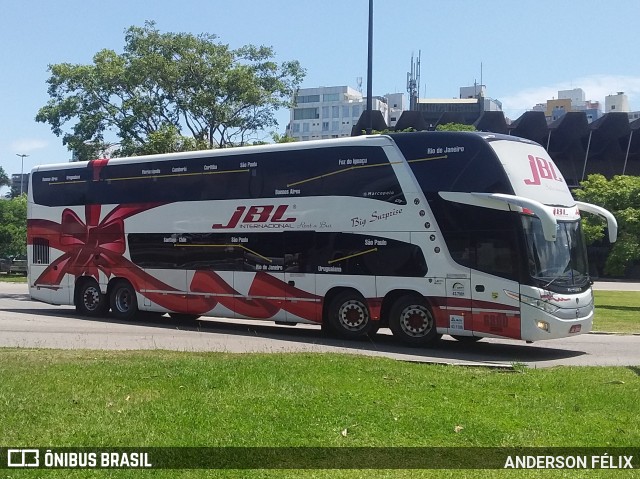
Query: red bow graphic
x=92, y=246
x=89, y=247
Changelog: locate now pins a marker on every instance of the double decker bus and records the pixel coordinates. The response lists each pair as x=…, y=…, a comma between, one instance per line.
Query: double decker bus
x=467, y=234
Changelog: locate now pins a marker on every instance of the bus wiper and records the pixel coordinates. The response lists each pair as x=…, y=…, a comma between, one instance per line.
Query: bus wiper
x=550, y=282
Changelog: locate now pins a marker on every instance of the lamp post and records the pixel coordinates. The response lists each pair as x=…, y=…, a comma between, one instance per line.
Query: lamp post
x=22, y=156
x=370, y=70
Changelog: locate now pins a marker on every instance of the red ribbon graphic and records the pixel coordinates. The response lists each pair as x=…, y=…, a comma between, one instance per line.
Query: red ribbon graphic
x=92, y=246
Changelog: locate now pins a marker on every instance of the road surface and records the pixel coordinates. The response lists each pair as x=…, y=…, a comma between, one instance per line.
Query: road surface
x=28, y=324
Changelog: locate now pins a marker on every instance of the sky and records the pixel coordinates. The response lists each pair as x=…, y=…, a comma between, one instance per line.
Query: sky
x=524, y=51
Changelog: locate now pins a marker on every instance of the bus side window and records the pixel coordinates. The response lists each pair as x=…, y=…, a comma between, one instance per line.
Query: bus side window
x=256, y=183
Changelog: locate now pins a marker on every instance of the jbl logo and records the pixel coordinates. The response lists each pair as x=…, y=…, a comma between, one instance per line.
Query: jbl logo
x=541, y=169
x=258, y=215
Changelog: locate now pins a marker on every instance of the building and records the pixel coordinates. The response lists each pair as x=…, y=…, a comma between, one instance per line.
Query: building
x=16, y=187
x=617, y=102
x=397, y=103
x=467, y=109
x=569, y=100
x=331, y=112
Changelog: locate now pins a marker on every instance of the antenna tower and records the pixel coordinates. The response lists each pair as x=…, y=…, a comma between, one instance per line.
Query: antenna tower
x=413, y=81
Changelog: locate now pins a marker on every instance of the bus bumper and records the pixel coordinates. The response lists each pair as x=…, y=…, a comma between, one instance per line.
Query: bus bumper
x=537, y=325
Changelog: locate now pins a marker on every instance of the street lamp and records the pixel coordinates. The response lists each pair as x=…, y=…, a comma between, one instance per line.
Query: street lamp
x=369, y=126
x=22, y=156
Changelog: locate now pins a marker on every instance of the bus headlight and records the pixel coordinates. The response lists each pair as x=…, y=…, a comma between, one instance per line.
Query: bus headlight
x=543, y=325
x=540, y=304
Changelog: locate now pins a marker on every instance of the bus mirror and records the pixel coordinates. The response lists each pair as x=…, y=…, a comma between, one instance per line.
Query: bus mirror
x=612, y=224
x=499, y=201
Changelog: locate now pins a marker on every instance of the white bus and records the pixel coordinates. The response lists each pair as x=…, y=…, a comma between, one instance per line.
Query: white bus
x=467, y=234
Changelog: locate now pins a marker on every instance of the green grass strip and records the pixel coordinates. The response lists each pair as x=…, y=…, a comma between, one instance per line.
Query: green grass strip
x=54, y=398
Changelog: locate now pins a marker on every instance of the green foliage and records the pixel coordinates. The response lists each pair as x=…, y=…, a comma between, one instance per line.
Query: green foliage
x=621, y=196
x=173, y=90
x=277, y=138
x=388, y=130
x=13, y=226
x=167, y=139
x=455, y=127
x=4, y=178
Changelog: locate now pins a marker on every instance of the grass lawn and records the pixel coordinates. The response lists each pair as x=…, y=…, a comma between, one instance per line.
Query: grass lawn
x=617, y=311
x=12, y=278
x=56, y=398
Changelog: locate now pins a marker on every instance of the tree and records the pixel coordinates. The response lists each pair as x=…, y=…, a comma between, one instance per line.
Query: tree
x=187, y=88
x=13, y=226
x=621, y=196
x=4, y=178
x=455, y=127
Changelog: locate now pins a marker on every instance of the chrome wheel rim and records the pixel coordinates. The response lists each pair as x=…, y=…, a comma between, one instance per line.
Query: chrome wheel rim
x=353, y=315
x=91, y=298
x=416, y=321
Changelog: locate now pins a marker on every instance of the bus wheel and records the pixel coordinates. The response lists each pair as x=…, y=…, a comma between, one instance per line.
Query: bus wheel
x=348, y=315
x=89, y=299
x=124, y=304
x=411, y=321
x=466, y=339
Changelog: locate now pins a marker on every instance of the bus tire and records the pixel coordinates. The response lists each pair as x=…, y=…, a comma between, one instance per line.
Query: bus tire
x=348, y=315
x=412, y=322
x=89, y=300
x=124, y=304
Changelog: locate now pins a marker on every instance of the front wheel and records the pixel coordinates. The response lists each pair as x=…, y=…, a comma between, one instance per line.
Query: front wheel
x=124, y=304
x=412, y=322
x=89, y=299
x=348, y=316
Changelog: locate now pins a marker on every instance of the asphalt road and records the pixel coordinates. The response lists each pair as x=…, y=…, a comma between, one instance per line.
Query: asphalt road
x=28, y=324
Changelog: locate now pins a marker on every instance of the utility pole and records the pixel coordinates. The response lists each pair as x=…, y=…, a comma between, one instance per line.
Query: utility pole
x=370, y=72
x=22, y=157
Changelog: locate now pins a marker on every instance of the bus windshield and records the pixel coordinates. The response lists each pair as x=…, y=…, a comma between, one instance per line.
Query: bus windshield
x=559, y=265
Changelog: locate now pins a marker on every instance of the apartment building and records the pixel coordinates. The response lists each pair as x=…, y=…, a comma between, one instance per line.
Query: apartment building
x=331, y=112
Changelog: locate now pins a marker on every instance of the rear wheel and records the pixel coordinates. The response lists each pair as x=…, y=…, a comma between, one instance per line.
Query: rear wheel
x=412, y=322
x=89, y=299
x=348, y=316
x=124, y=304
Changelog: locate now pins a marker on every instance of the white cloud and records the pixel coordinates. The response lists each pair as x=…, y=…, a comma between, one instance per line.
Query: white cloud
x=27, y=145
x=595, y=87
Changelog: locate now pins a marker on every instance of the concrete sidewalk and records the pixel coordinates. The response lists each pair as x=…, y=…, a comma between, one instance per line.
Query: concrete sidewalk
x=616, y=286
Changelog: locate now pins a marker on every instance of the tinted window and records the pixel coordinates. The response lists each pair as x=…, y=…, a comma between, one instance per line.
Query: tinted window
x=338, y=171
x=304, y=251
x=62, y=187
x=483, y=239
x=444, y=161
